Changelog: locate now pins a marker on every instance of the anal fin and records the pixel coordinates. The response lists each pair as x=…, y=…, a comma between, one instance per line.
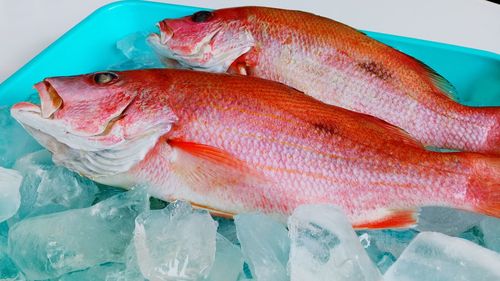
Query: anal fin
x=395, y=219
x=213, y=211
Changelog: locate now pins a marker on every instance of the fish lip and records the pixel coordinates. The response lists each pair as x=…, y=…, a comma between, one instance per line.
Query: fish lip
x=160, y=40
x=50, y=100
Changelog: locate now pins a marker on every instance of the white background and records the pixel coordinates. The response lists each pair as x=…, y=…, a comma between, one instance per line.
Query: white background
x=28, y=26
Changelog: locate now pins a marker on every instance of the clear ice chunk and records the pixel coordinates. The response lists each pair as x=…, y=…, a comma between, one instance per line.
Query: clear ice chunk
x=228, y=261
x=385, y=246
x=137, y=52
x=325, y=247
x=131, y=272
x=265, y=246
x=47, y=188
x=14, y=140
x=446, y=220
x=101, y=272
x=433, y=256
x=490, y=228
x=8, y=270
x=51, y=245
x=10, y=198
x=175, y=243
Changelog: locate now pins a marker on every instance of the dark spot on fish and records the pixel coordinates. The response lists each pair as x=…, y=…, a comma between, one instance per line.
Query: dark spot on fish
x=375, y=69
x=325, y=128
x=201, y=16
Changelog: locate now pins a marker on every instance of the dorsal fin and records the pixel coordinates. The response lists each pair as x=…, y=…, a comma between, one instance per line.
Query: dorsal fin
x=442, y=85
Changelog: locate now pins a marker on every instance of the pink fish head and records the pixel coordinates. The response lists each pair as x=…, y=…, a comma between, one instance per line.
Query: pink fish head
x=99, y=124
x=208, y=41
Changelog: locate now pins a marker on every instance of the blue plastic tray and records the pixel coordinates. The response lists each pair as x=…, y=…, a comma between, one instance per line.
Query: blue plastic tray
x=90, y=46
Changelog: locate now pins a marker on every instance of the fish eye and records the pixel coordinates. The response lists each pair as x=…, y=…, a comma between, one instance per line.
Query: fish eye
x=201, y=16
x=102, y=78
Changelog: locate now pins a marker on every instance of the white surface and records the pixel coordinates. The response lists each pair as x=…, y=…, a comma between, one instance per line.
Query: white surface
x=29, y=26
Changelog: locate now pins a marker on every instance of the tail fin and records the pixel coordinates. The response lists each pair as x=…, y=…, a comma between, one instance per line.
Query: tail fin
x=483, y=191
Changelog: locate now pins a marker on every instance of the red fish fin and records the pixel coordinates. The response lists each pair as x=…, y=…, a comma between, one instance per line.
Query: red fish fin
x=400, y=134
x=215, y=212
x=396, y=219
x=442, y=85
x=244, y=64
x=484, y=186
x=203, y=166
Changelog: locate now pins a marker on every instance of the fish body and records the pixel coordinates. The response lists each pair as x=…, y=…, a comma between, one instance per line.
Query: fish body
x=233, y=144
x=334, y=63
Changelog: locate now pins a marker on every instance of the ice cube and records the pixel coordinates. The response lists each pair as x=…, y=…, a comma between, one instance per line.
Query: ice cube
x=48, y=188
x=446, y=220
x=385, y=246
x=433, y=256
x=490, y=228
x=61, y=189
x=4, y=232
x=175, y=243
x=131, y=272
x=228, y=261
x=137, y=52
x=10, y=198
x=265, y=246
x=325, y=247
x=14, y=140
x=48, y=246
x=96, y=273
x=8, y=270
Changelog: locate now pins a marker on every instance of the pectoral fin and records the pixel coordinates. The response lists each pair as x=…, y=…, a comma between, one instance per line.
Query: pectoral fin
x=203, y=166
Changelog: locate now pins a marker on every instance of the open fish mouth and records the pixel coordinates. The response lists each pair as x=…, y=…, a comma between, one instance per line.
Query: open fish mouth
x=97, y=157
x=196, y=57
x=50, y=99
x=202, y=57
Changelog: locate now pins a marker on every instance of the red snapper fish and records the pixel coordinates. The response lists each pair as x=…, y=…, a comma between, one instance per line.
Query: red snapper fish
x=331, y=62
x=233, y=144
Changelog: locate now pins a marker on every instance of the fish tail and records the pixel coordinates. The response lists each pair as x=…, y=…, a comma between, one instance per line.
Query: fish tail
x=483, y=189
